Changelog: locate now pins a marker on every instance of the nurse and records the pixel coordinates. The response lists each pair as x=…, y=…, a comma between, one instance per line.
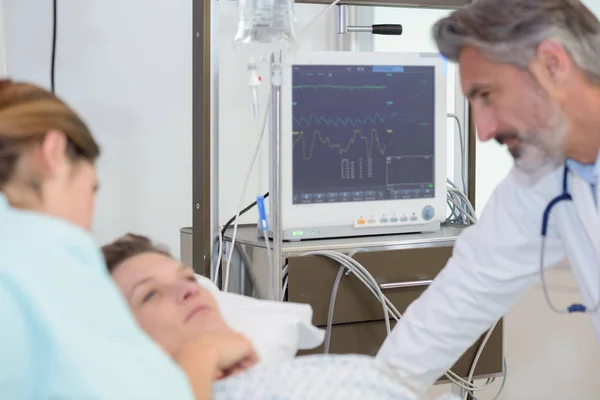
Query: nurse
x=65, y=330
x=531, y=71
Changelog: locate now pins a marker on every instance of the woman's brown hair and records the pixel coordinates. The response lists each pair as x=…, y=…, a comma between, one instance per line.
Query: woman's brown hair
x=27, y=113
x=129, y=246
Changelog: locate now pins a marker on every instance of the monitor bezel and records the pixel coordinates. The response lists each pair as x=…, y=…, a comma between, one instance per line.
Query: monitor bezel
x=302, y=216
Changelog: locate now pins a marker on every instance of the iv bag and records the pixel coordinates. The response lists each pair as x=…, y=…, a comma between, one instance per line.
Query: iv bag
x=265, y=25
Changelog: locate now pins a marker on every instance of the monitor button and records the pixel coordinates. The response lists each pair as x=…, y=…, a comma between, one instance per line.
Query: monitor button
x=332, y=197
x=319, y=197
x=357, y=196
x=428, y=213
x=370, y=195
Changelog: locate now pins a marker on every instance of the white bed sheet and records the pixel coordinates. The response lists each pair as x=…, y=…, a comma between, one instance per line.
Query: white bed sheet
x=318, y=377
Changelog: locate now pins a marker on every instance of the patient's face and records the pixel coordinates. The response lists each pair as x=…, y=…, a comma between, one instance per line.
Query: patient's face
x=166, y=300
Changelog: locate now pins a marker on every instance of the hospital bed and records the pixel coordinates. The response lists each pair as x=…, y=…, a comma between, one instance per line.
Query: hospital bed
x=278, y=330
x=403, y=265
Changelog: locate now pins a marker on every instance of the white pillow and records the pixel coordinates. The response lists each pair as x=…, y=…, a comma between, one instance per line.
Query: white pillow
x=276, y=329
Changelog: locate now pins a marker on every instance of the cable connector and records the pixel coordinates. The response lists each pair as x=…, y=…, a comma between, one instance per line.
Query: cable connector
x=262, y=214
x=575, y=308
x=255, y=79
x=276, y=74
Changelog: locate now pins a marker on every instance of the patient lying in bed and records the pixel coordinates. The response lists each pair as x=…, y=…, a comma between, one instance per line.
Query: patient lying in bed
x=174, y=310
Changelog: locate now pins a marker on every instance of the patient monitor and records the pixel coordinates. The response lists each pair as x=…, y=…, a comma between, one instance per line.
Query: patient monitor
x=363, y=145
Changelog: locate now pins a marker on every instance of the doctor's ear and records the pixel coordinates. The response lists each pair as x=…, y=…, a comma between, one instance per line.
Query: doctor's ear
x=552, y=65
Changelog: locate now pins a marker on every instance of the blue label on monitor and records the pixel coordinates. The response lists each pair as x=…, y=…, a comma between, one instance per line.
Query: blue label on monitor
x=445, y=64
x=388, y=69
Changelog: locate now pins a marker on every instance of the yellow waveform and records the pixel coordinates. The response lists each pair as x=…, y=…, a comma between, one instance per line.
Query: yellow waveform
x=371, y=142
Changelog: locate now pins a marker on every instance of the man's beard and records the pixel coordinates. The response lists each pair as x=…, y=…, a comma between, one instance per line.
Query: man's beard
x=532, y=155
x=541, y=147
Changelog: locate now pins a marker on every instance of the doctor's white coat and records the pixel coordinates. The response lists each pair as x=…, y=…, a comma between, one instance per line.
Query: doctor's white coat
x=493, y=264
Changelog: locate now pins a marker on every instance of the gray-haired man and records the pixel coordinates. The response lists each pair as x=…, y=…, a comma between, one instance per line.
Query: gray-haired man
x=531, y=71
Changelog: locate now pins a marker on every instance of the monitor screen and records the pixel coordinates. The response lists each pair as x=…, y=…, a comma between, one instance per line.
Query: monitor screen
x=362, y=133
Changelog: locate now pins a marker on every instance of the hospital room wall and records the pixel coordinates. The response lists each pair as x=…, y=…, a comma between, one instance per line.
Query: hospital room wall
x=126, y=67
x=2, y=41
x=549, y=356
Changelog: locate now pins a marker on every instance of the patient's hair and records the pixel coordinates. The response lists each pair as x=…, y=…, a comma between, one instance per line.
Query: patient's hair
x=27, y=114
x=128, y=246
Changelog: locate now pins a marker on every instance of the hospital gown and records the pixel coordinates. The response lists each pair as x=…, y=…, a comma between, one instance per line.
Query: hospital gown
x=65, y=330
x=317, y=377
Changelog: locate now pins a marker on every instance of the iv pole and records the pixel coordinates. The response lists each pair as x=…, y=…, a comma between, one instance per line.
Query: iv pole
x=276, y=274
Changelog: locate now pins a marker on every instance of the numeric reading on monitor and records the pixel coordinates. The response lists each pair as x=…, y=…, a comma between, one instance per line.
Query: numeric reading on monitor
x=362, y=133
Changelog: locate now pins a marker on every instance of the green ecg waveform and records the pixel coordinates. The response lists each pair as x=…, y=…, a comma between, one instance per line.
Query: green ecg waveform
x=371, y=142
x=341, y=87
x=314, y=119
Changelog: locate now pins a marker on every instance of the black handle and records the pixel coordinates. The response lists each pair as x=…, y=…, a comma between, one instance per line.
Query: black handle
x=387, y=29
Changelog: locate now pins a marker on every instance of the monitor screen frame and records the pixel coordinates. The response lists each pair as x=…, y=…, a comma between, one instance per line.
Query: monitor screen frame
x=302, y=216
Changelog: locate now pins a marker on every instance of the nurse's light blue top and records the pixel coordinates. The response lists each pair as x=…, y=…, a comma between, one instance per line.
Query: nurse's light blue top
x=65, y=331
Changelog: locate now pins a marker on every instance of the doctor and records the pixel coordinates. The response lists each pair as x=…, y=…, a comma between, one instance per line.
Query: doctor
x=531, y=71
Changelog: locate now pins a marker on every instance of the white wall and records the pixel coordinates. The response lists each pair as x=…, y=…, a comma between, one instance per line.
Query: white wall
x=125, y=66
x=2, y=41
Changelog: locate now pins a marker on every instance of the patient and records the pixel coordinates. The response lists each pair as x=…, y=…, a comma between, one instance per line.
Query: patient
x=173, y=309
x=165, y=297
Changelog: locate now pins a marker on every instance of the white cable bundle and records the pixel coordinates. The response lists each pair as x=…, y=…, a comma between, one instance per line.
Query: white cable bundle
x=461, y=210
x=352, y=266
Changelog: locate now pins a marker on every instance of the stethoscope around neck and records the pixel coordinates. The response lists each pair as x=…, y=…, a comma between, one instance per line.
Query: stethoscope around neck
x=564, y=196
